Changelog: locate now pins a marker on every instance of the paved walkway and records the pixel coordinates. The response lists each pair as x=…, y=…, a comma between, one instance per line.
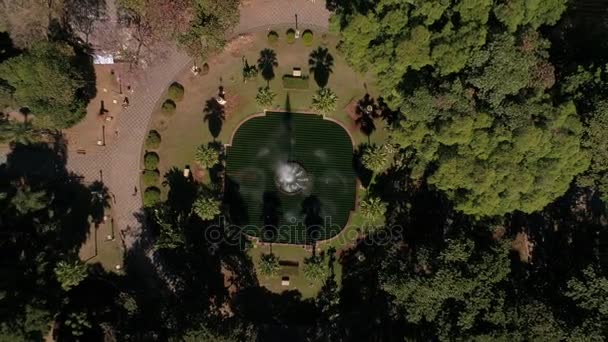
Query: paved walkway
x=119, y=164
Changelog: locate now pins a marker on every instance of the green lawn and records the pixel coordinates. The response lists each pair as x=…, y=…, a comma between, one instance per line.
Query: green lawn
x=322, y=147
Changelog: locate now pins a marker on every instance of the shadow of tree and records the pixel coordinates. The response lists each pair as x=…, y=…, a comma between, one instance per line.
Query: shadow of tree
x=215, y=116
x=266, y=64
x=182, y=190
x=321, y=64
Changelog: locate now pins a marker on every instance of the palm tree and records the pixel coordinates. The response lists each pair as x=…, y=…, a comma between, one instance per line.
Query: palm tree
x=266, y=64
x=206, y=208
x=324, y=101
x=373, y=209
x=269, y=265
x=70, y=274
x=321, y=63
x=315, y=268
x=206, y=156
x=265, y=97
x=375, y=158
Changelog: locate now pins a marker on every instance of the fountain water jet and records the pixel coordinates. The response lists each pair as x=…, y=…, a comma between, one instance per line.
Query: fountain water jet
x=291, y=178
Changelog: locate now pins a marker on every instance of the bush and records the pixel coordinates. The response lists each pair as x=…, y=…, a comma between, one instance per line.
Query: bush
x=168, y=107
x=150, y=178
x=273, y=37
x=153, y=140
x=291, y=82
x=205, y=69
x=151, y=160
x=151, y=196
x=176, y=91
x=290, y=36
x=307, y=37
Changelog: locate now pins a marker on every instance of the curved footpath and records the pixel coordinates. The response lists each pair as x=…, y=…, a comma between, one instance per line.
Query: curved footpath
x=119, y=164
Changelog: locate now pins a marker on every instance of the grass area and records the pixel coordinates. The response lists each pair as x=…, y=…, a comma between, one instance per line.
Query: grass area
x=263, y=143
x=297, y=280
x=99, y=248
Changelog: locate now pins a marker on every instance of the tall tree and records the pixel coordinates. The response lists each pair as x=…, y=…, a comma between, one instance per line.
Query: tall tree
x=47, y=80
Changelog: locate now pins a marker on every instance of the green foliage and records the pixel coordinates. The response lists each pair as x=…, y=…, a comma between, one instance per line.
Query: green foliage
x=206, y=32
x=47, y=80
x=207, y=208
x=373, y=209
x=532, y=13
x=375, y=158
x=70, y=274
x=27, y=201
x=207, y=156
x=168, y=107
x=324, y=101
x=268, y=265
x=171, y=234
x=273, y=37
x=456, y=291
x=176, y=92
x=249, y=71
x=393, y=39
x=153, y=140
x=291, y=82
x=151, y=160
x=150, y=178
x=265, y=97
x=77, y=323
x=590, y=292
x=151, y=196
x=307, y=37
x=315, y=268
x=290, y=36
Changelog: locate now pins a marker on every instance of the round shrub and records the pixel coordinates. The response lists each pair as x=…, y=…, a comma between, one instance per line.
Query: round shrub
x=168, y=107
x=307, y=37
x=151, y=196
x=176, y=91
x=151, y=160
x=153, y=140
x=273, y=37
x=205, y=69
x=150, y=178
x=290, y=36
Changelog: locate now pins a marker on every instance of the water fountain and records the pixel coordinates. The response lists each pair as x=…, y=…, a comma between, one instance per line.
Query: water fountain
x=291, y=178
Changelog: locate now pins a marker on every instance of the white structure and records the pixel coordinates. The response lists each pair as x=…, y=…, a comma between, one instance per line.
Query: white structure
x=103, y=59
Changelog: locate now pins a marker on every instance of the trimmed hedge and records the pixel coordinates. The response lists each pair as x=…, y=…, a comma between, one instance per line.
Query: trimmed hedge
x=290, y=36
x=176, y=92
x=150, y=178
x=291, y=82
x=273, y=37
x=151, y=160
x=307, y=37
x=168, y=107
x=151, y=196
x=153, y=140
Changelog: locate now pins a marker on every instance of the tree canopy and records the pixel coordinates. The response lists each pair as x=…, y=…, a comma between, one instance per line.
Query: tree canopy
x=46, y=79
